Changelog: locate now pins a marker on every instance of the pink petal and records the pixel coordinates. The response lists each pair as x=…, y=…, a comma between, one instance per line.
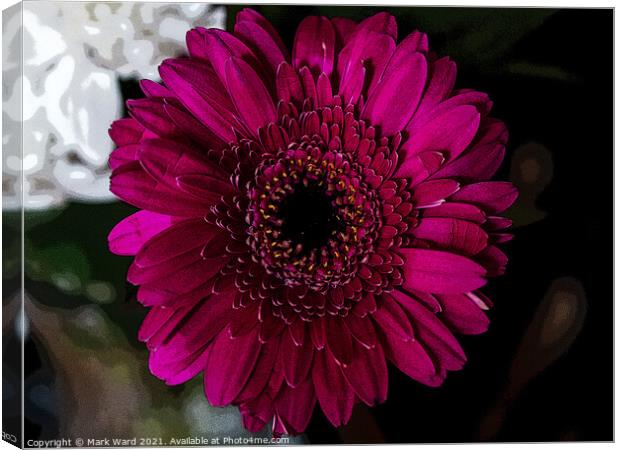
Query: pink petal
x=167, y=160
x=387, y=107
x=334, y=393
x=368, y=374
x=433, y=193
x=296, y=359
x=455, y=210
x=126, y=131
x=414, y=43
x=176, y=240
x=199, y=327
x=132, y=184
x=314, y=45
x=411, y=358
x=202, y=94
x=256, y=413
x=382, y=22
x=442, y=76
x=250, y=15
x=476, y=164
x=392, y=319
x=493, y=260
x=189, y=369
x=433, y=333
x=288, y=85
x=150, y=113
x=362, y=330
x=261, y=43
x=455, y=235
x=262, y=372
x=230, y=364
x=221, y=46
x=373, y=49
x=249, y=94
x=295, y=406
x=436, y=271
x=462, y=315
x=492, y=196
x=450, y=132
x=153, y=89
x=339, y=339
x=130, y=234
x=344, y=29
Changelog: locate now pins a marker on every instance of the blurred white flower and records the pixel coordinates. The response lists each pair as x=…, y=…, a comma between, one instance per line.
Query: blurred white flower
x=68, y=91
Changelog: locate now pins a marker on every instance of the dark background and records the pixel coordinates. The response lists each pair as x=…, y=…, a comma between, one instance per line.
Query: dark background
x=549, y=73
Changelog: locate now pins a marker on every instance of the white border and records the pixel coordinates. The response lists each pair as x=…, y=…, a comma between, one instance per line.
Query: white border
x=580, y=53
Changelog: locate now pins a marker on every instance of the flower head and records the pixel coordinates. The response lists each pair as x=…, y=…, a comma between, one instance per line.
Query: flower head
x=305, y=219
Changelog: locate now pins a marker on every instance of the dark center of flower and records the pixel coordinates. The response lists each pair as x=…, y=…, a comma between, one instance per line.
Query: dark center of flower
x=312, y=217
x=309, y=218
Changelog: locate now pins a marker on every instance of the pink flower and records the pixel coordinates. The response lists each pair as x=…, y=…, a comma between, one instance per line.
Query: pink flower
x=305, y=218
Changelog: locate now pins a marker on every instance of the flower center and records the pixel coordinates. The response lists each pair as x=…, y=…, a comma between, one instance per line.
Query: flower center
x=309, y=218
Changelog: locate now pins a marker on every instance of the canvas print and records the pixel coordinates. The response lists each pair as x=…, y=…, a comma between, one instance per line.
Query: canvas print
x=306, y=224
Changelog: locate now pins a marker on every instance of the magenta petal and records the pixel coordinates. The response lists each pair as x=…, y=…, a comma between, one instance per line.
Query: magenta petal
x=132, y=184
x=221, y=46
x=314, y=45
x=288, y=84
x=415, y=43
x=150, y=113
x=176, y=240
x=368, y=374
x=362, y=330
x=492, y=196
x=462, y=315
x=433, y=193
x=296, y=359
x=126, y=131
x=154, y=320
x=130, y=234
x=339, y=340
x=455, y=210
x=200, y=95
x=249, y=94
x=455, y=235
x=193, y=329
x=442, y=76
x=334, y=393
x=344, y=29
x=257, y=412
x=450, y=132
x=225, y=376
x=494, y=260
x=192, y=128
x=263, y=370
x=250, y=15
x=166, y=160
x=189, y=369
x=261, y=43
x=437, y=271
x=153, y=89
x=203, y=185
x=433, y=333
x=381, y=23
x=123, y=155
x=476, y=164
x=411, y=358
x=374, y=49
x=392, y=319
x=295, y=405
x=387, y=107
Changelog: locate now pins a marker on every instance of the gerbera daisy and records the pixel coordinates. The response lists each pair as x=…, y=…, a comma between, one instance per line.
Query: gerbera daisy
x=304, y=219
